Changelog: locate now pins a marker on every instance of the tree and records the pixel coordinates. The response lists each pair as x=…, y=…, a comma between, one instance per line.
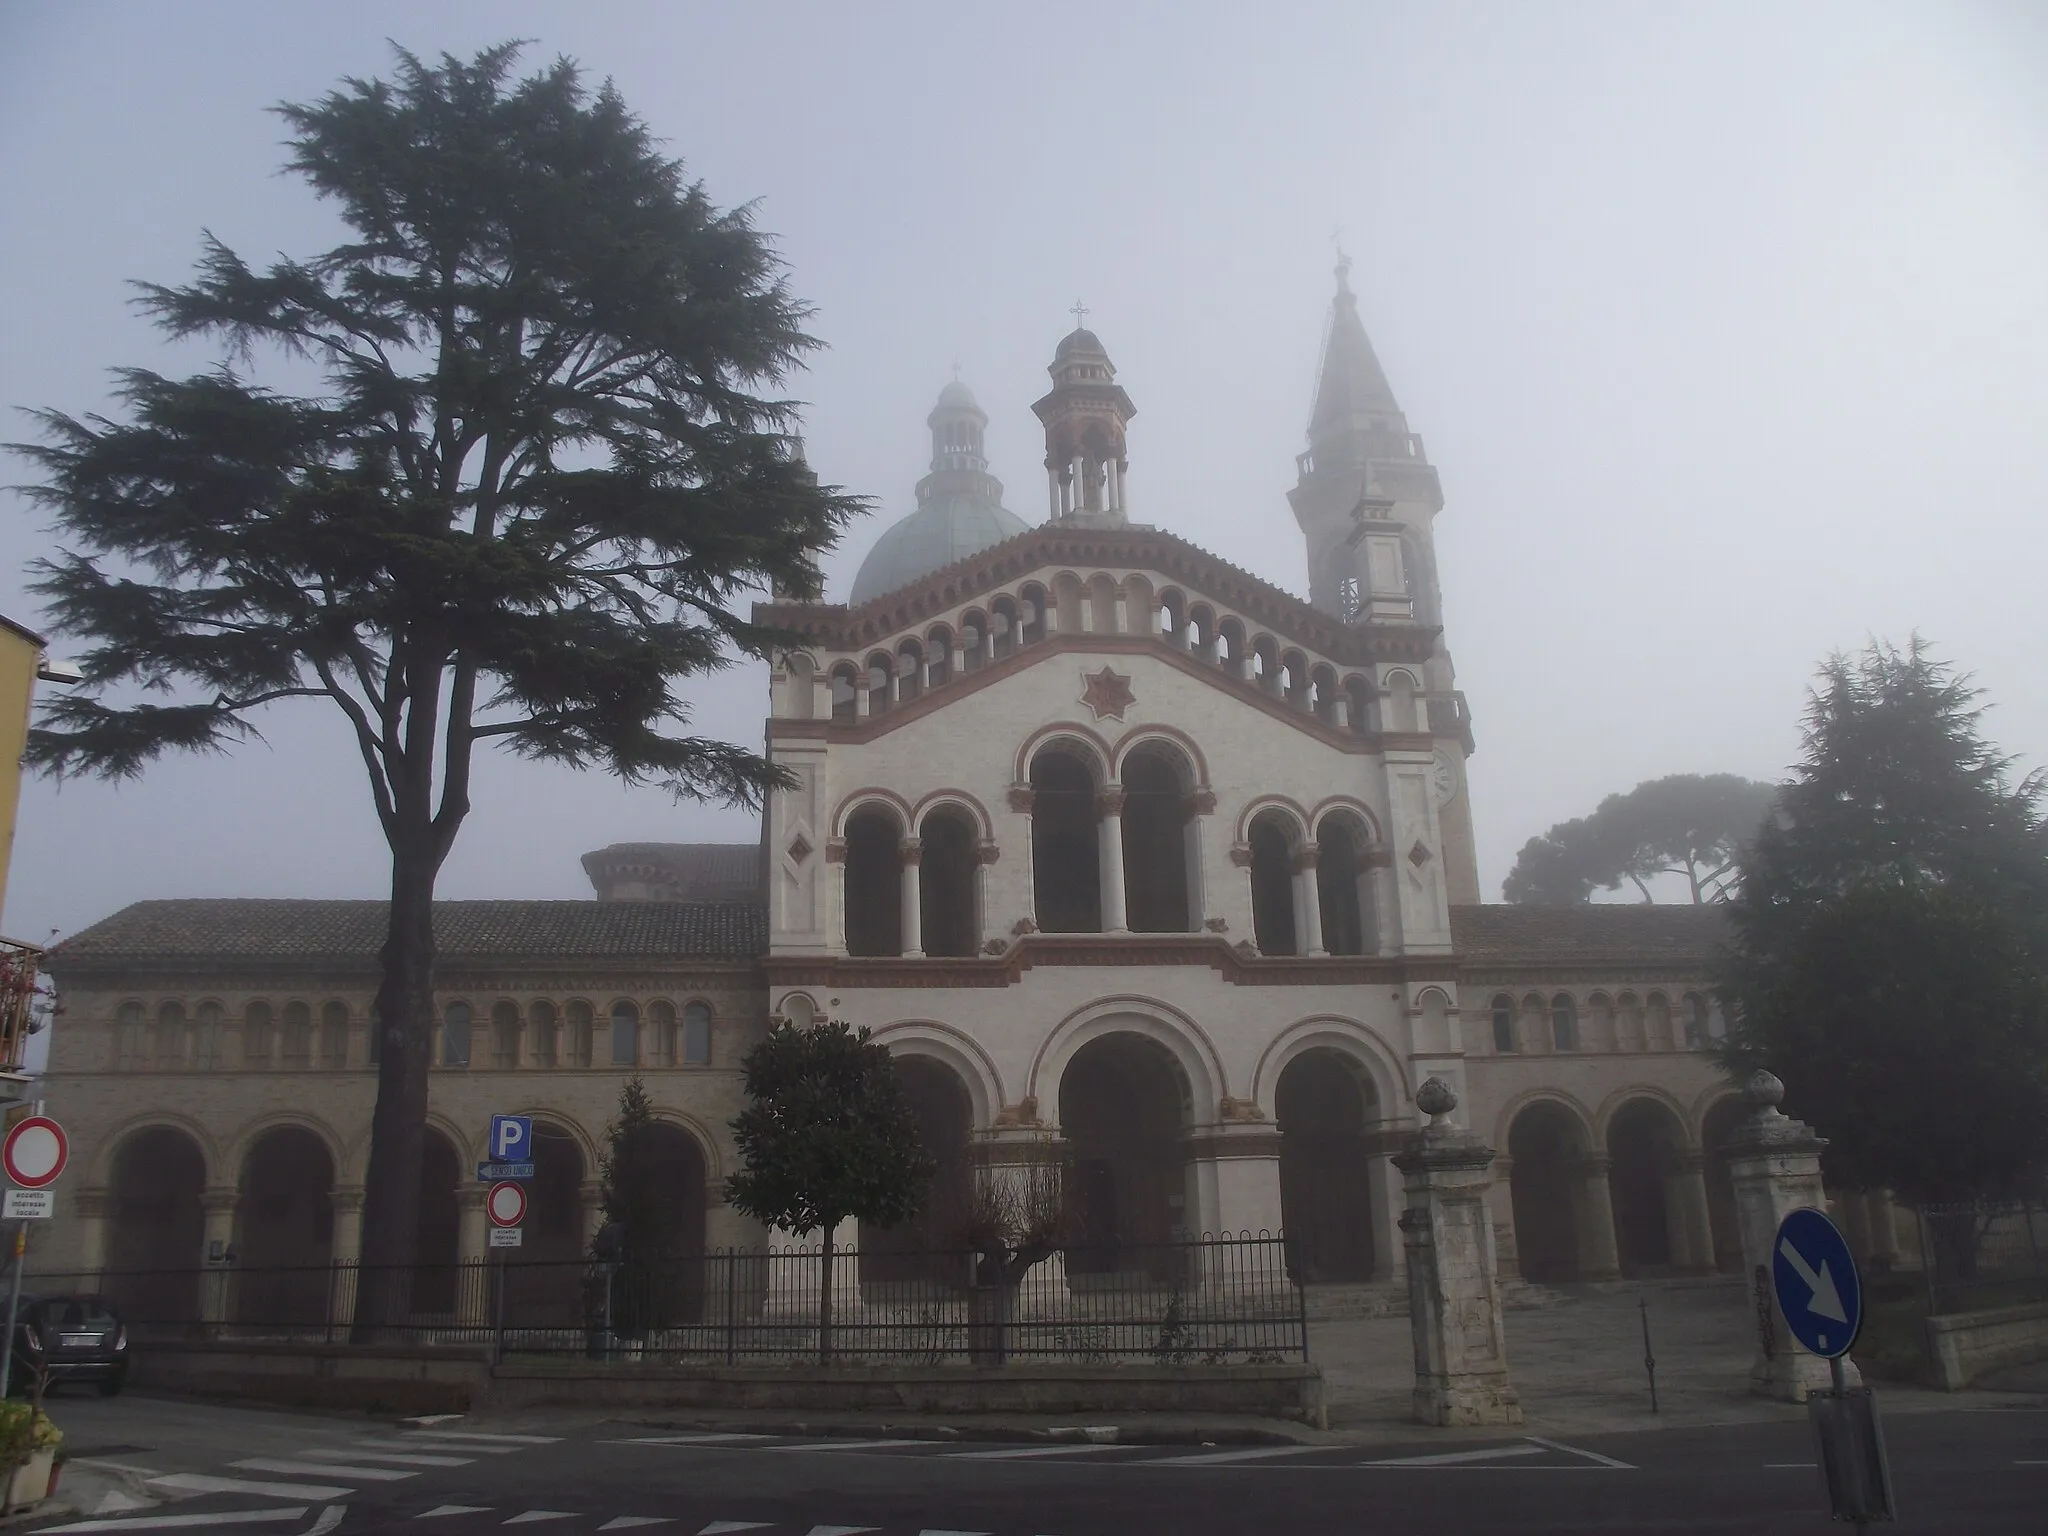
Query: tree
x=828, y=1135
x=641, y=1231
x=1685, y=824
x=522, y=509
x=1009, y=1217
x=1890, y=935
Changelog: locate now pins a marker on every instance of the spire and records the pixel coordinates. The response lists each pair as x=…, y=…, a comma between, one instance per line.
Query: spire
x=1084, y=417
x=1353, y=393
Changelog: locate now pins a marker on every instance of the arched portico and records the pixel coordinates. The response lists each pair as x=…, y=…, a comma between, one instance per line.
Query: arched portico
x=1557, y=1186
x=944, y=1111
x=156, y=1218
x=1324, y=1104
x=1123, y=1107
x=284, y=1228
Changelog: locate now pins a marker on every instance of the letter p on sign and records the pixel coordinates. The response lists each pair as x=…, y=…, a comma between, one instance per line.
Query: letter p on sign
x=511, y=1138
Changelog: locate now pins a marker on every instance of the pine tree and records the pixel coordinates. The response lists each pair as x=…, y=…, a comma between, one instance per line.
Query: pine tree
x=641, y=1216
x=523, y=506
x=1890, y=951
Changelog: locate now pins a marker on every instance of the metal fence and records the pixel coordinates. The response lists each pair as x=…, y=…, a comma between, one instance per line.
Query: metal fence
x=1983, y=1254
x=1217, y=1300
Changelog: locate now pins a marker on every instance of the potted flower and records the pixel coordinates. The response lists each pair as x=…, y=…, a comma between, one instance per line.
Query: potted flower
x=28, y=1449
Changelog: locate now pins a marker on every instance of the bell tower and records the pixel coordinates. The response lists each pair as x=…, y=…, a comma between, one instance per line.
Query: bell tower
x=1084, y=417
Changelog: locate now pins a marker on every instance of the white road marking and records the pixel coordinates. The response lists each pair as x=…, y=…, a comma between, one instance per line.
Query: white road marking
x=193, y=1482
x=695, y=1439
x=842, y=1445
x=360, y=1453
x=483, y=1439
x=1452, y=1458
x=184, y=1522
x=532, y=1515
x=1027, y=1452
x=929, y=1532
x=1574, y=1450
x=114, y=1502
x=320, y=1468
x=626, y=1522
x=330, y=1517
x=722, y=1527
x=424, y=1441
x=454, y=1509
x=840, y=1530
x=1257, y=1453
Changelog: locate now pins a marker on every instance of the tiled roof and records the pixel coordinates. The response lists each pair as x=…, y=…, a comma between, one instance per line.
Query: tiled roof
x=1503, y=933
x=714, y=872
x=237, y=929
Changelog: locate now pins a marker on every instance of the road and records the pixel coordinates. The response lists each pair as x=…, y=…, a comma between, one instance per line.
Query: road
x=268, y=1473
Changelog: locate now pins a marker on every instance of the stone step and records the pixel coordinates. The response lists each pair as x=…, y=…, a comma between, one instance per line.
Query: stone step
x=1333, y=1302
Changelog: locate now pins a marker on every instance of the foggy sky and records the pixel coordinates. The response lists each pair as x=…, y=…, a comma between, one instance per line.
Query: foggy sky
x=1725, y=327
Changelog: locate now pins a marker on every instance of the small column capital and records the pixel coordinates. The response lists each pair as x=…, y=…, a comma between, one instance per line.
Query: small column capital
x=912, y=850
x=1199, y=802
x=986, y=853
x=1021, y=798
x=1307, y=856
x=219, y=1197
x=1110, y=801
x=1241, y=855
x=348, y=1200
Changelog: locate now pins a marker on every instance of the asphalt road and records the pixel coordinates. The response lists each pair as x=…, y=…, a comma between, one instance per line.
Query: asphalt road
x=259, y=1472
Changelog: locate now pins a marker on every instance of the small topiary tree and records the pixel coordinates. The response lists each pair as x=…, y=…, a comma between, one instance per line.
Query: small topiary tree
x=828, y=1135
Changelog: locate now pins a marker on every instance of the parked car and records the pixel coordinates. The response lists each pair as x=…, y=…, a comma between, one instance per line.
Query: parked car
x=74, y=1338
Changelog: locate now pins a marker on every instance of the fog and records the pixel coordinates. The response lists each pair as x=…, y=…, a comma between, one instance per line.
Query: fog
x=1724, y=325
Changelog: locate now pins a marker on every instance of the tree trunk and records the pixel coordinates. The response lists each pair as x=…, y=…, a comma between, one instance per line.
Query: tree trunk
x=405, y=1024
x=825, y=1298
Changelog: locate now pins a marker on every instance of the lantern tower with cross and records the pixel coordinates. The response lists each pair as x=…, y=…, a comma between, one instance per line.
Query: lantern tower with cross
x=1084, y=417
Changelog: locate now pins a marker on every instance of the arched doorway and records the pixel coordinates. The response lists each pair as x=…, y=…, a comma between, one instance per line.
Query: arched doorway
x=1323, y=1103
x=157, y=1227
x=660, y=1207
x=284, y=1231
x=544, y=1287
x=437, y=1259
x=1123, y=1103
x=1643, y=1141
x=1066, y=867
x=1548, y=1146
x=919, y=1247
x=1718, y=1126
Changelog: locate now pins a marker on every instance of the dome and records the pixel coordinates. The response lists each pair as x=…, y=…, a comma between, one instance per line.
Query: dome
x=946, y=528
x=957, y=397
x=1079, y=341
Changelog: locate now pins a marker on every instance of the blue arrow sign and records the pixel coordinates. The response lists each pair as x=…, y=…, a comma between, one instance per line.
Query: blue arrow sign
x=1818, y=1288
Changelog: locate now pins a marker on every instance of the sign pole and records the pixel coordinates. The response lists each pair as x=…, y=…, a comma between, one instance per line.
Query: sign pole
x=13, y=1305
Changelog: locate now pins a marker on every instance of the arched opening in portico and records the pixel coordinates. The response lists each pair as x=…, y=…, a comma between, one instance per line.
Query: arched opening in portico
x=1548, y=1148
x=157, y=1226
x=1323, y=1102
x=944, y=1112
x=545, y=1288
x=1123, y=1105
x=1715, y=1132
x=284, y=1229
x=1643, y=1143
x=436, y=1260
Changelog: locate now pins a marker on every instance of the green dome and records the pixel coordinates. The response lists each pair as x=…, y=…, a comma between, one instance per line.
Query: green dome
x=944, y=529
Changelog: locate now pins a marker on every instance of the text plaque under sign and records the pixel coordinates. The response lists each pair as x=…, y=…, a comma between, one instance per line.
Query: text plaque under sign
x=506, y=1237
x=490, y=1173
x=30, y=1204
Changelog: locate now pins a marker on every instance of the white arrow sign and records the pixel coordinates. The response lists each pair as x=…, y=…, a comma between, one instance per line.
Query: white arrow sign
x=1827, y=1301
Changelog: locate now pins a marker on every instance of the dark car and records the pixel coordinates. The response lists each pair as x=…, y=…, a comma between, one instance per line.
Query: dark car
x=74, y=1338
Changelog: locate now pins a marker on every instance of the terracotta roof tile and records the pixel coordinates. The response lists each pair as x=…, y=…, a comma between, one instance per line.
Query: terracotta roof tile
x=1503, y=933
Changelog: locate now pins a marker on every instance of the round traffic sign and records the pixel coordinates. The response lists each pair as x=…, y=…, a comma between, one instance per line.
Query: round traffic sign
x=1819, y=1291
x=506, y=1204
x=34, y=1152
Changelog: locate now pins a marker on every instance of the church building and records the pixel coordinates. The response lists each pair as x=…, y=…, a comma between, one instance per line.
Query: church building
x=1121, y=850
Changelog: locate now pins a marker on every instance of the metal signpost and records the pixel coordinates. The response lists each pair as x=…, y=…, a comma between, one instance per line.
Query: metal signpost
x=33, y=1154
x=511, y=1160
x=1821, y=1296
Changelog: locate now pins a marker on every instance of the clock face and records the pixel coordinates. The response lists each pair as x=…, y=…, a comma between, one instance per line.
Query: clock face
x=1443, y=774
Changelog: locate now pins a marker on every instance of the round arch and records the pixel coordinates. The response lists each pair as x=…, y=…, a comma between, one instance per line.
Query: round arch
x=957, y=1050
x=1621, y=1098
x=1581, y=1117
x=1167, y=736
x=871, y=796
x=1345, y=805
x=1645, y=1138
x=100, y=1165
x=1200, y=1063
x=1349, y=1037
x=1548, y=1138
x=1290, y=811
x=156, y=1222
x=1086, y=744
x=253, y=1131
x=953, y=800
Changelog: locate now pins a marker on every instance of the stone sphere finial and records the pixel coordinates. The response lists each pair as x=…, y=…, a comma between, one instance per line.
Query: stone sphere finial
x=1763, y=1090
x=1436, y=1098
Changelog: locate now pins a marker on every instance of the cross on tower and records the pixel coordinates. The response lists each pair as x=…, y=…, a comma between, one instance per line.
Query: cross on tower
x=1079, y=312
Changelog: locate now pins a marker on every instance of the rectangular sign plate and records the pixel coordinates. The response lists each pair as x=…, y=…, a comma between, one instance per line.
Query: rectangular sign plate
x=490, y=1173
x=30, y=1204
x=505, y=1237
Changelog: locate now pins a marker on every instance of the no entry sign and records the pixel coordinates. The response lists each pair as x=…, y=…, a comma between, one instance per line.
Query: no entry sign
x=505, y=1204
x=35, y=1151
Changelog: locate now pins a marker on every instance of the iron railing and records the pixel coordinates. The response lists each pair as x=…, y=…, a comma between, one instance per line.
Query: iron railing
x=1216, y=1300
x=1983, y=1253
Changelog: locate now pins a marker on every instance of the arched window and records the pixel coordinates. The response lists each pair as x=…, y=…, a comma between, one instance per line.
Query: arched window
x=1398, y=708
x=845, y=693
x=973, y=641
x=546, y=1034
x=1273, y=925
x=661, y=1034
x=939, y=657
x=298, y=1036
x=582, y=1024
x=697, y=1035
x=948, y=921
x=874, y=883
x=625, y=1034
x=1231, y=633
x=259, y=1035
x=881, y=681
x=1341, y=887
x=454, y=1035
x=1157, y=841
x=799, y=670
x=909, y=671
x=1564, y=1024
x=1173, y=618
x=206, y=1036
x=1066, y=868
x=1294, y=671
x=131, y=1044
x=1359, y=692
x=1202, y=632
x=1266, y=664
x=1695, y=1008
x=170, y=1053
x=1031, y=615
x=334, y=1035
x=1323, y=694
x=1504, y=1042
x=505, y=1035
x=1002, y=625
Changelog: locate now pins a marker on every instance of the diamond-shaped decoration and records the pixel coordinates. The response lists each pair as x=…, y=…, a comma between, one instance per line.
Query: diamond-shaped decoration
x=1418, y=855
x=799, y=849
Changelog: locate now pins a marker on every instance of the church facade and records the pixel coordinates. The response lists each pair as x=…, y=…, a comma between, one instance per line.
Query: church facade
x=1126, y=853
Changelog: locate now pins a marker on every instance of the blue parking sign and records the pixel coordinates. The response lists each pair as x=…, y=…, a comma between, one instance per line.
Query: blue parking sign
x=511, y=1138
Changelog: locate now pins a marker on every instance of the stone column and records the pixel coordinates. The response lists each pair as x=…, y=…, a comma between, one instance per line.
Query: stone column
x=1774, y=1164
x=1461, y=1362
x=835, y=895
x=348, y=1252
x=1112, y=865
x=1692, y=1229
x=217, y=1204
x=90, y=1207
x=1237, y=1171
x=911, y=888
x=1593, y=1216
x=1309, y=899
x=1884, y=1231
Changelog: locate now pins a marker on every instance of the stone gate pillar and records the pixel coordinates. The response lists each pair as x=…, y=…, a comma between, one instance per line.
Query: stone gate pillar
x=1774, y=1164
x=1461, y=1362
